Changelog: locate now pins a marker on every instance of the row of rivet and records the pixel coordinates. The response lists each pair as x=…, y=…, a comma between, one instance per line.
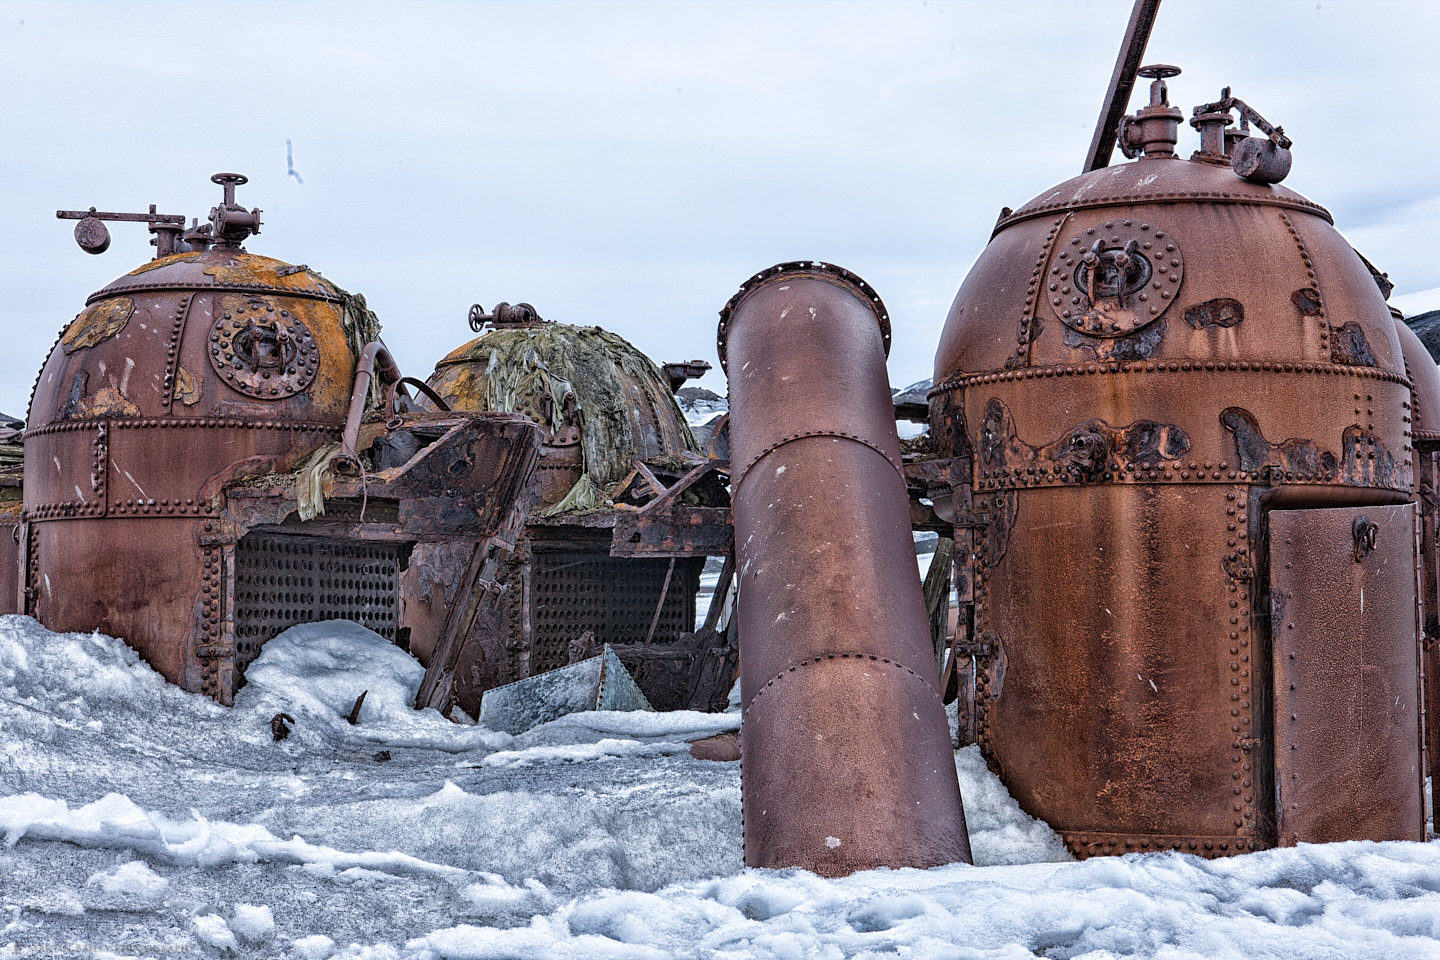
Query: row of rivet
x=1259, y=200
x=739, y=476
x=1237, y=519
x=874, y=657
x=64, y=510
x=172, y=363
x=99, y=460
x=114, y=291
x=41, y=372
x=1026, y=331
x=1162, y=366
x=1091, y=844
x=298, y=426
x=1266, y=476
x=68, y=509
x=1326, y=345
x=216, y=656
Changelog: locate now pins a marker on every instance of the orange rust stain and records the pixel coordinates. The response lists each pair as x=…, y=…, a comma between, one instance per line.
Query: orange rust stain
x=98, y=324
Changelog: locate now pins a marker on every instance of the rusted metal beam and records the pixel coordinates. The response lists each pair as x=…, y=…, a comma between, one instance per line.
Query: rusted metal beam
x=845, y=747
x=1122, y=82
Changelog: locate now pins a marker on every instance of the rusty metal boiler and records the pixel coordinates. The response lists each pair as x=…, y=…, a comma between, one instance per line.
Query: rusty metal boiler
x=174, y=380
x=1193, y=543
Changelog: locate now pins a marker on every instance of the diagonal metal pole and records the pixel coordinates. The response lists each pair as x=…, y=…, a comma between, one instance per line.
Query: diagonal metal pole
x=1122, y=82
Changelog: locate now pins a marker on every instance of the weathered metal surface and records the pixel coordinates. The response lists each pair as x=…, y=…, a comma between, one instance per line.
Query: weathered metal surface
x=1346, y=675
x=173, y=419
x=592, y=566
x=845, y=750
x=129, y=493
x=599, y=683
x=1121, y=478
x=12, y=566
x=282, y=580
x=1425, y=436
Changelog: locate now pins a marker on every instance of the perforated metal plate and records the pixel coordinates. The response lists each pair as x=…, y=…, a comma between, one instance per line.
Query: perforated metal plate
x=575, y=591
x=284, y=580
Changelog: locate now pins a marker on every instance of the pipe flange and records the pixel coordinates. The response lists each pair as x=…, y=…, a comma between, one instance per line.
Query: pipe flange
x=819, y=268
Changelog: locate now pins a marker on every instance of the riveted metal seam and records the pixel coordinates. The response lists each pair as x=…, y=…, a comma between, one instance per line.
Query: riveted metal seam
x=1188, y=196
x=1167, y=366
x=172, y=350
x=1087, y=843
x=112, y=292
x=297, y=426
x=860, y=657
x=1327, y=340
x=739, y=477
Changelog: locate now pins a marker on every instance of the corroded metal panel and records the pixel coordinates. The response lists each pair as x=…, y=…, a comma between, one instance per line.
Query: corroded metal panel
x=282, y=580
x=574, y=591
x=1347, y=712
x=12, y=567
x=1117, y=709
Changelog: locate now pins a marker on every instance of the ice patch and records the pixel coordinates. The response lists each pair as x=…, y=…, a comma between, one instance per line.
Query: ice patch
x=252, y=923
x=129, y=886
x=315, y=671
x=212, y=930
x=314, y=947
x=115, y=822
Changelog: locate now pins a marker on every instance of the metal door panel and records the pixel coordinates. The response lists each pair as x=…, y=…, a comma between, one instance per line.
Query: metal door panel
x=1346, y=675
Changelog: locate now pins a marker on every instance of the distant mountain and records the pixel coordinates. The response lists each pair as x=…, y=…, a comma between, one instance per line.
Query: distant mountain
x=1427, y=328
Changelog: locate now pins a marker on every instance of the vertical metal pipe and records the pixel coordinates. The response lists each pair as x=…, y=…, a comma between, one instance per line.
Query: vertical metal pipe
x=845, y=753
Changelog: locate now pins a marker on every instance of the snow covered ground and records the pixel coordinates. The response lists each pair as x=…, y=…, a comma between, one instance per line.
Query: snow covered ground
x=141, y=821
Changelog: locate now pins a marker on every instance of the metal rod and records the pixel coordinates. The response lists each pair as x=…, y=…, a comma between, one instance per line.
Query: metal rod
x=660, y=606
x=1122, y=82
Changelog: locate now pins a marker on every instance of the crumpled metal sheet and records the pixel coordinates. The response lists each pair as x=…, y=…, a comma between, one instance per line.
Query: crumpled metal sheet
x=600, y=683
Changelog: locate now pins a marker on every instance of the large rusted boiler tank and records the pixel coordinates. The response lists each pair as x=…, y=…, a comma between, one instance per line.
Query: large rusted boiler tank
x=622, y=510
x=176, y=379
x=1187, y=548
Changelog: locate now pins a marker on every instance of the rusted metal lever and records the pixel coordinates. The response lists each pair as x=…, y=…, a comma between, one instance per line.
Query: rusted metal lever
x=94, y=237
x=1257, y=160
x=1227, y=102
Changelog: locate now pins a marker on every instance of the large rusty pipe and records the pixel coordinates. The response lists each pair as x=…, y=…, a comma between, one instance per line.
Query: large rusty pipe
x=845, y=752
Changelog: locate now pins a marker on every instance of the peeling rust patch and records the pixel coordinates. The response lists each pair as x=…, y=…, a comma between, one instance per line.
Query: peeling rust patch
x=107, y=402
x=1090, y=451
x=187, y=388
x=163, y=262
x=1137, y=346
x=1308, y=302
x=1220, y=312
x=1364, y=461
x=98, y=324
x=1349, y=346
x=1292, y=456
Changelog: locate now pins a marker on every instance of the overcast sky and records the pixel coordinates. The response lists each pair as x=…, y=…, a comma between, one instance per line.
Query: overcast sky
x=631, y=164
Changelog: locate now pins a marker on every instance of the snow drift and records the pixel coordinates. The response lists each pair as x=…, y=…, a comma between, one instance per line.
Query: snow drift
x=137, y=820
